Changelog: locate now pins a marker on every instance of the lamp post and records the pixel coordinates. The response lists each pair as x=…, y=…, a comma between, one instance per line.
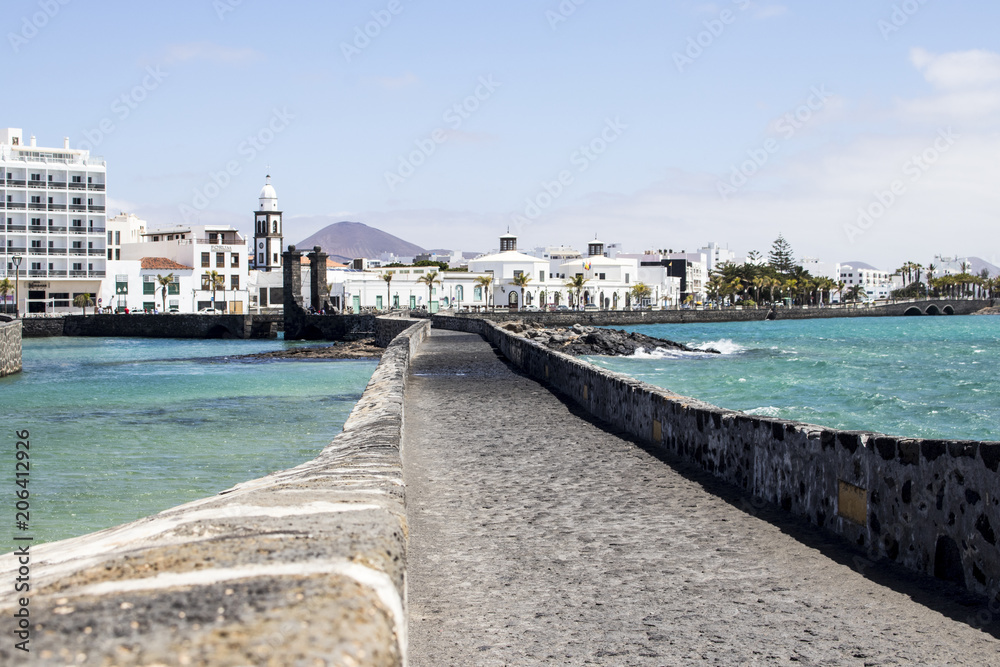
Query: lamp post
x=17, y=284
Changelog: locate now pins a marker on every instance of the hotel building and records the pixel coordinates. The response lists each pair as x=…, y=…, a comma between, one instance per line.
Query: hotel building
x=53, y=202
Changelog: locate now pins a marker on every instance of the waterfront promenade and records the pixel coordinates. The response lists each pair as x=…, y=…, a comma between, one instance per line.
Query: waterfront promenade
x=537, y=536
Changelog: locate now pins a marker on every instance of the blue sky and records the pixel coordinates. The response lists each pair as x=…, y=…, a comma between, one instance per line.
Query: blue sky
x=661, y=124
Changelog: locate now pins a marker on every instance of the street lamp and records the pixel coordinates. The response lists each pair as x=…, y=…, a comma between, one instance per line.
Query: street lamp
x=17, y=284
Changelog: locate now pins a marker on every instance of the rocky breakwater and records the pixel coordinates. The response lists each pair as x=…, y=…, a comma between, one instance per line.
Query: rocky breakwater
x=579, y=340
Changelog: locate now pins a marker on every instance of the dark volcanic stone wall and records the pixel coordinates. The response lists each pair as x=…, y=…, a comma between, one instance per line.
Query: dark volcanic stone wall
x=930, y=505
x=10, y=347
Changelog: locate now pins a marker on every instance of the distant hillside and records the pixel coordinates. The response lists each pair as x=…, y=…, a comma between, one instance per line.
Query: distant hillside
x=345, y=241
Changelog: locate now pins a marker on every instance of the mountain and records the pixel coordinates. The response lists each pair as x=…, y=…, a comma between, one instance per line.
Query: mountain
x=345, y=241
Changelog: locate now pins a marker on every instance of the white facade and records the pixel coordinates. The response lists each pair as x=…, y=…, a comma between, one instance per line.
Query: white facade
x=818, y=269
x=134, y=284
x=716, y=256
x=54, y=219
x=204, y=248
x=878, y=284
x=123, y=228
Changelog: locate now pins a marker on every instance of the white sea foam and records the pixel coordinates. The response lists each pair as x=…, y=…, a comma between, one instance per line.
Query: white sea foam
x=725, y=346
x=768, y=411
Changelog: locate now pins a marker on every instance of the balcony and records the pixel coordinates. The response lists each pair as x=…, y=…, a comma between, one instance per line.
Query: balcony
x=16, y=250
x=77, y=230
x=56, y=206
x=77, y=251
x=77, y=186
x=58, y=251
x=99, y=187
x=17, y=228
x=77, y=274
x=78, y=207
x=37, y=251
x=15, y=205
x=36, y=184
x=98, y=274
x=95, y=252
x=96, y=230
x=37, y=206
x=98, y=209
x=57, y=184
x=12, y=183
x=57, y=273
x=53, y=229
x=38, y=273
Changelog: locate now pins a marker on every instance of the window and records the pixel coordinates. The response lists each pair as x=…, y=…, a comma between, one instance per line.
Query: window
x=36, y=177
x=274, y=229
x=518, y=274
x=77, y=201
x=220, y=260
x=260, y=259
x=118, y=253
x=234, y=282
x=174, y=287
x=78, y=179
x=147, y=287
x=275, y=258
x=109, y=253
x=36, y=244
x=109, y=238
x=36, y=199
x=78, y=244
x=213, y=237
x=205, y=260
x=206, y=282
x=600, y=276
x=235, y=262
x=78, y=223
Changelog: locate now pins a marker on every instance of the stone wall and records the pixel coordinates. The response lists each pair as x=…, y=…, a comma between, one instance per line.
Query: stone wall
x=304, y=566
x=387, y=328
x=155, y=326
x=10, y=347
x=930, y=505
x=608, y=318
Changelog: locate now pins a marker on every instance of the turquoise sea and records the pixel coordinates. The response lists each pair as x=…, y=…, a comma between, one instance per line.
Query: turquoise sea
x=124, y=428
x=928, y=377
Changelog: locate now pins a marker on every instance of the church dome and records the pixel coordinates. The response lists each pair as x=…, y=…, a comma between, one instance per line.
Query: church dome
x=268, y=197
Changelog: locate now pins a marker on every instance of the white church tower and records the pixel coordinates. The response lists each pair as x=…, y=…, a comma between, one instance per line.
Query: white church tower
x=267, y=231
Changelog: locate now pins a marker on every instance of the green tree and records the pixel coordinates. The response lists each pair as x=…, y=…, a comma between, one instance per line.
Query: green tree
x=576, y=284
x=215, y=282
x=82, y=301
x=521, y=281
x=430, y=279
x=781, y=258
x=641, y=293
x=387, y=277
x=6, y=288
x=164, y=283
x=486, y=283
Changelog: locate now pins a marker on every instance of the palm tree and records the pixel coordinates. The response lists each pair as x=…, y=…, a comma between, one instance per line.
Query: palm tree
x=485, y=282
x=82, y=301
x=165, y=282
x=521, y=280
x=430, y=279
x=6, y=287
x=641, y=292
x=576, y=284
x=215, y=282
x=387, y=277
x=855, y=292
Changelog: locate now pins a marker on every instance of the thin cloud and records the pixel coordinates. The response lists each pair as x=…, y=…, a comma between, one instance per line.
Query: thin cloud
x=407, y=80
x=209, y=52
x=959, y=70
x=770, y=11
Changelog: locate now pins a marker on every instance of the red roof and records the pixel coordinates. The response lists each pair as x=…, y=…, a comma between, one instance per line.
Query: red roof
x=163, y=264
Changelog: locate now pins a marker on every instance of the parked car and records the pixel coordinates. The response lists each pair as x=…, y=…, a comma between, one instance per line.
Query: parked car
x=210, y=311
x=590, y=307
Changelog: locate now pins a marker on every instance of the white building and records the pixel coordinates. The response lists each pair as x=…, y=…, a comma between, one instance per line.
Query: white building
x=123, y=228
x=818, y=269
x=202, y=248
x=54, y=213
x=716, y=256
x=877, y=284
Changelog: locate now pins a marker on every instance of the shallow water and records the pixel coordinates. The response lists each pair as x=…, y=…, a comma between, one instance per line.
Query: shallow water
x=124, y=428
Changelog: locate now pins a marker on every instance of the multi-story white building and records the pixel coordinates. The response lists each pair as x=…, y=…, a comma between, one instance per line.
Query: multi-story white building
x=716, y=256
x=877, y=283
x=123, y=228
x=54, y=217
x=205, y=250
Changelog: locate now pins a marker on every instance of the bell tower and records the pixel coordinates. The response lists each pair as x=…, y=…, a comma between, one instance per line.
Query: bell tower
x=268, y=234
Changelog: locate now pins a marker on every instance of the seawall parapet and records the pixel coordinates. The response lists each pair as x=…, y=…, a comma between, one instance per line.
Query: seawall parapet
x=684, y=316
x=303, y=566
x=929, y=505
x=10, y=347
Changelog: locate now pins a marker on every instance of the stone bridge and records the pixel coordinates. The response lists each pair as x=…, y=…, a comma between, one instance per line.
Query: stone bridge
x=491, y=502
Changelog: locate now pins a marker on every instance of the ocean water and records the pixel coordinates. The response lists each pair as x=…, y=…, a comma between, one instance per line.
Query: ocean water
x=124, y=428
x=927, y=377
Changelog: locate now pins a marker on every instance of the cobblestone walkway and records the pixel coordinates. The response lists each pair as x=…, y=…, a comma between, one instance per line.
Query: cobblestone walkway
x=538, y=537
